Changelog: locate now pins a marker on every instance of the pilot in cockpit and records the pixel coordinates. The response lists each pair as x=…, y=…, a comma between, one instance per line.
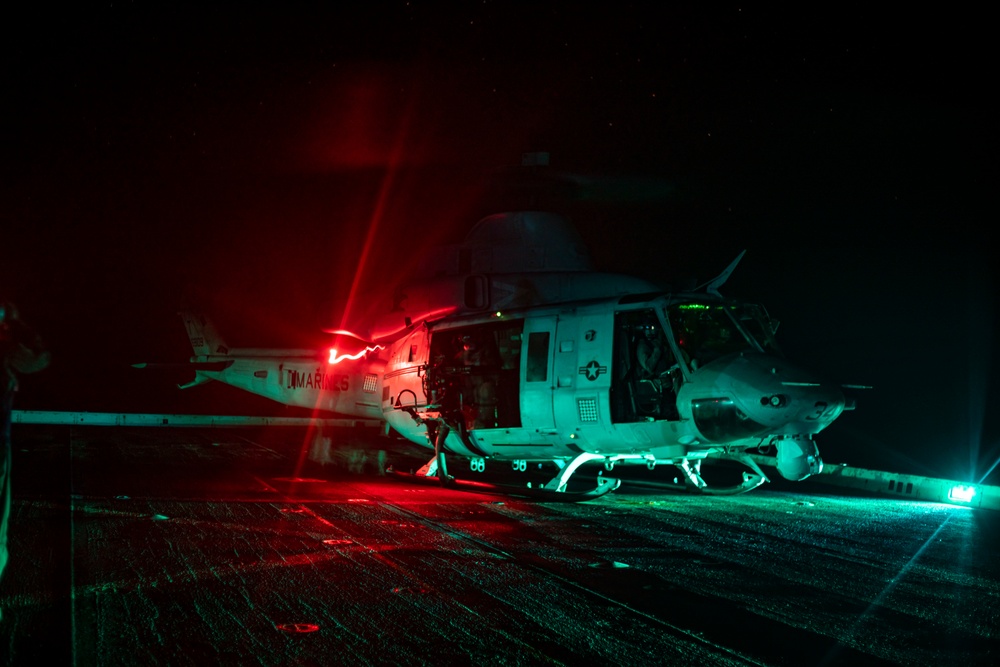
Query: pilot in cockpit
x=649, y=353
x=657, y=381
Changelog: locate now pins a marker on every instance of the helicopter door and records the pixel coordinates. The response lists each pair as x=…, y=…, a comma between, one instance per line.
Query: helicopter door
x=537, y=373
x=566, y=370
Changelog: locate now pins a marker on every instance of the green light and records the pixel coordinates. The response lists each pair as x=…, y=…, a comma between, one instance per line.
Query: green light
x=499, y=314
x=694, y=306
x=962, y=493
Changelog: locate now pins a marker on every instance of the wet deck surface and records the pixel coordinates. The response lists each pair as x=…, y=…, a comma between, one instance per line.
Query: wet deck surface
x=194, y=546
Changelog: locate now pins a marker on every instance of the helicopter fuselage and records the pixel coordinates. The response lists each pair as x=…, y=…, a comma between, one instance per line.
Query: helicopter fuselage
x=511, y=347
x=552, y=383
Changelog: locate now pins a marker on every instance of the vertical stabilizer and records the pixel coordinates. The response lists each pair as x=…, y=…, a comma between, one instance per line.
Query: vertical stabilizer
x=205, y=339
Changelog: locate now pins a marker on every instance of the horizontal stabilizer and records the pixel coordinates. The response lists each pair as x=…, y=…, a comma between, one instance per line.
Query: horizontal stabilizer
x=198, y=379
x=271, y=352
x=215, y=366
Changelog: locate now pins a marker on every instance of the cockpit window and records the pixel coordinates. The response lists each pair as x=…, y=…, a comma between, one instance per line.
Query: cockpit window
x=759, y=325
x=706, y=332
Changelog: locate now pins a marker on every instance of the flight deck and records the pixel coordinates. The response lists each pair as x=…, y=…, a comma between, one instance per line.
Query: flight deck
x=138, y=545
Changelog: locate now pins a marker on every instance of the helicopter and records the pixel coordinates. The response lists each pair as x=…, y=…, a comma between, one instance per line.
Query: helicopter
x=513, y=350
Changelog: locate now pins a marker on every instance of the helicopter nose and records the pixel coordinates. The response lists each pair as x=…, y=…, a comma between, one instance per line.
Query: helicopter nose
x=754, y=395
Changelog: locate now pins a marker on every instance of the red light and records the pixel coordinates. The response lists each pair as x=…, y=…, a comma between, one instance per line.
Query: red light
x=344, y=332
x=297, y=627
x=337, y=358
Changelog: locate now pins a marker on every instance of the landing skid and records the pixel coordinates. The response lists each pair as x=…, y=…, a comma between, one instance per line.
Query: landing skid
x=556, y=488
x=751, y=480
x=749, y=483
x=604, y=485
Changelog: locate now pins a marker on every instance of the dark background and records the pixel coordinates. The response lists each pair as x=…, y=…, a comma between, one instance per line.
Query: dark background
x=239, y=158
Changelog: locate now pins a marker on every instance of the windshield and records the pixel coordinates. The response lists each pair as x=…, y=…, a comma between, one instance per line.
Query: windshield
x=706, y=332
x=758, y=324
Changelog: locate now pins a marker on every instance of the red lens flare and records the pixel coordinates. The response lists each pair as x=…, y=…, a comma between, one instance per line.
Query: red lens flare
x=336, y=358
x=297, y=628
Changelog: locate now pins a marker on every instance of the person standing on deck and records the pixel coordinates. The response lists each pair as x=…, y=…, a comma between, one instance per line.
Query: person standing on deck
x=22, y=352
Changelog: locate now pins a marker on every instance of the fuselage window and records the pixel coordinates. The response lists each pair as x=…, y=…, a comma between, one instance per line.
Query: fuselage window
x=538, y=357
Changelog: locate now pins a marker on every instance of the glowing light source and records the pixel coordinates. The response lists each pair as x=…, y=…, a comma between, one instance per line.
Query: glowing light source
x=343, y=332
x=297, y=627
x=962, y=493
x=337, y=358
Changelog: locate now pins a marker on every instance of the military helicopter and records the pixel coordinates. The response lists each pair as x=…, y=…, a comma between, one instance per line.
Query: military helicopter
x=513, y=350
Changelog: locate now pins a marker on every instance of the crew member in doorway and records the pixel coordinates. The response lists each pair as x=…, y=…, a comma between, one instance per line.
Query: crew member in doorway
x=22, y=352
x=479, y=400
x=656, y=391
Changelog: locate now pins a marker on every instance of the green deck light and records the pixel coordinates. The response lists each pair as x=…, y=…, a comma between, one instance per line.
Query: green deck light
x=962, y=493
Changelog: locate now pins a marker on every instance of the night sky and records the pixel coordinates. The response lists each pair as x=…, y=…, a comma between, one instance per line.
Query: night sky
x=237, y=159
